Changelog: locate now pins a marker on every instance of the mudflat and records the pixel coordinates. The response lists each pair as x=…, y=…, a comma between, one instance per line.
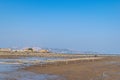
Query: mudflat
x=107, y=68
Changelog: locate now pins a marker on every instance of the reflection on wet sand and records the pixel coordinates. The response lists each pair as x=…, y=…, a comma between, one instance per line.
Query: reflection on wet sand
x=9, y=70
x=25, y=75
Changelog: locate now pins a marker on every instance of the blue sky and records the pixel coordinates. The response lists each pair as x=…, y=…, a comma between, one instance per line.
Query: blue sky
x=84, y=25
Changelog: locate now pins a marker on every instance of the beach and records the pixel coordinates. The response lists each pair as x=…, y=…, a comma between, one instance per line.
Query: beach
x=105, y=69
x=58, y=67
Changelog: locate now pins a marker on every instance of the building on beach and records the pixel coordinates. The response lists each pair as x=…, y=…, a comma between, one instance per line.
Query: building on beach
x=28, y=50
x=5, y=50
x=44, y=51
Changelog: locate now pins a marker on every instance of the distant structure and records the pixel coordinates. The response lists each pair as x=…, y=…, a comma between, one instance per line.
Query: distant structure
x=28, y=50
x=17, y=50
x=31, y=50
x=44, y=51
x=5, y=50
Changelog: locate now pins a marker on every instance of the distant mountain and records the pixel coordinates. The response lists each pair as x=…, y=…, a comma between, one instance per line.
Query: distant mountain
x=56, y=50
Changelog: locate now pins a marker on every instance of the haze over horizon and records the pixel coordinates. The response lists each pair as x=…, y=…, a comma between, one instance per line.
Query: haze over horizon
x=83, y=25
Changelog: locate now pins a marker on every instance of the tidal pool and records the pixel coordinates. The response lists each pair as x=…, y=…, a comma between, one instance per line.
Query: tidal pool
x=28, y=60
x=25, y=75
x=9, y=69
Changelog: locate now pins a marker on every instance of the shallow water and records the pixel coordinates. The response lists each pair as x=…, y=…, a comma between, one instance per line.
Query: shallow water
x=9, y=69
x=13, y=64
x=25, y=75
x=28, y=60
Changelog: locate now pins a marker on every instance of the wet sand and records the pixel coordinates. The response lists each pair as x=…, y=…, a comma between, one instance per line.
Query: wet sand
x=10, y=69
x=34, y=54
x=107, y=68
